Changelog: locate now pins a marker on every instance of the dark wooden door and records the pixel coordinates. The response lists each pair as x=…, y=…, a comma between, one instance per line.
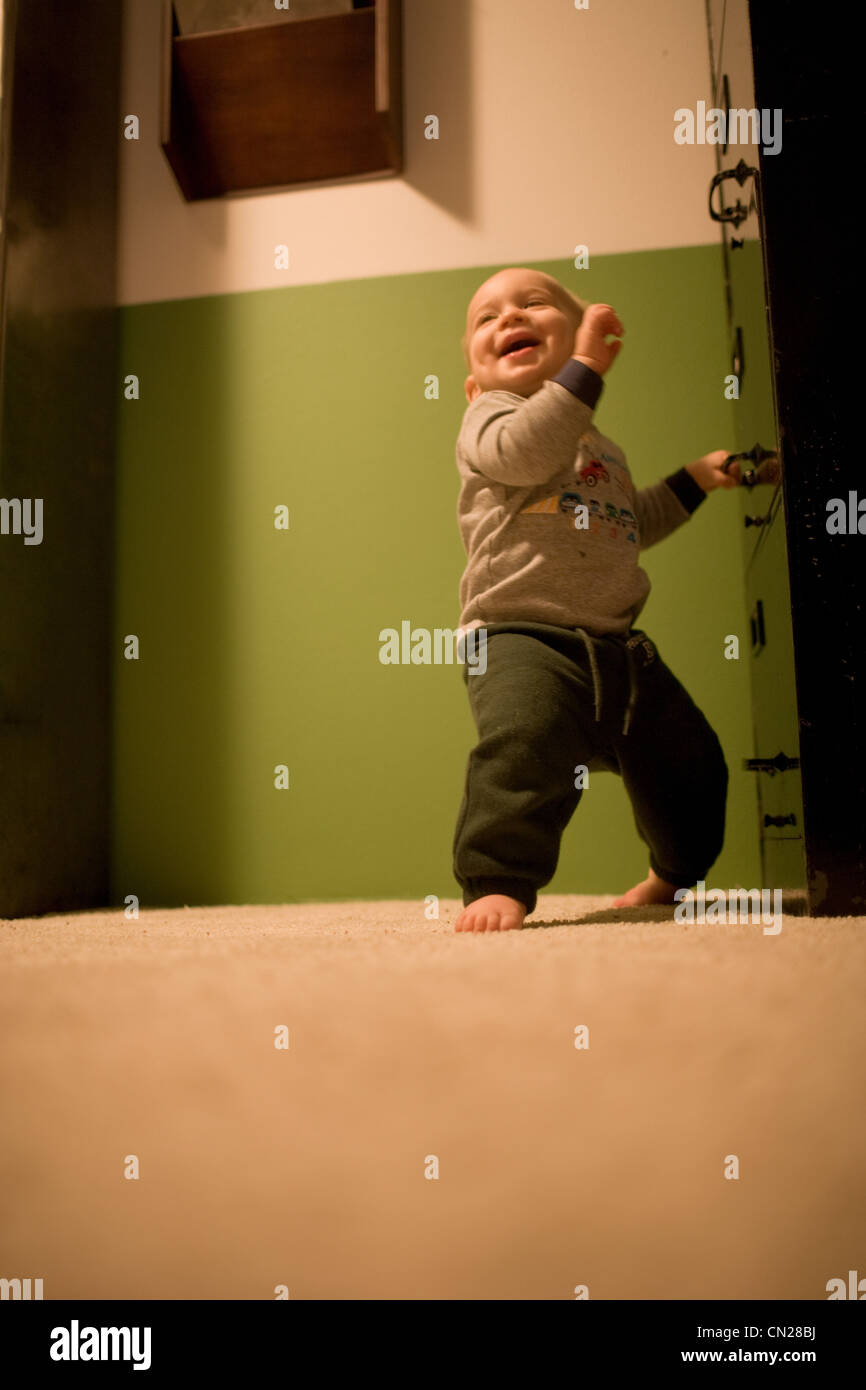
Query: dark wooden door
x=805, y=577
x=808, y=253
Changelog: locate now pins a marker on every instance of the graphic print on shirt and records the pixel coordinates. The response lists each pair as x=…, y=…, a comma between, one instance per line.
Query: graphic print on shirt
x=602, y=471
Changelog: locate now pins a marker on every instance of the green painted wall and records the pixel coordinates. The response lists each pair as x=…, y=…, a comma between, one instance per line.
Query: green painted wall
x=261, y=647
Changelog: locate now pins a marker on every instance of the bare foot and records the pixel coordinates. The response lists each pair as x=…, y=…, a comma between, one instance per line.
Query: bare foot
x=652, y=890
x=496, y=912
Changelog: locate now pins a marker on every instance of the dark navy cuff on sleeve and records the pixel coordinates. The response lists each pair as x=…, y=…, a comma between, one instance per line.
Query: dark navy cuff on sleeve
x=684, y=487
x=581, y=381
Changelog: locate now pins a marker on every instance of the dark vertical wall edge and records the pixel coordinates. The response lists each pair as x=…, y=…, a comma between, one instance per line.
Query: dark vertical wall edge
x=57, y=427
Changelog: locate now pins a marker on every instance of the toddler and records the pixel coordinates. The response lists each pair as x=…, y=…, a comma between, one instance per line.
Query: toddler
x=553, y=528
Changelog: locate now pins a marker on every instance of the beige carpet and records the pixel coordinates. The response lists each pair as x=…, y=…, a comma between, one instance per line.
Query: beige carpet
x=557, y=1167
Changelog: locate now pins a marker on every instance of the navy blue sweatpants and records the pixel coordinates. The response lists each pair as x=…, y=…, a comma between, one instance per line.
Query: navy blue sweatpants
x=552, y=699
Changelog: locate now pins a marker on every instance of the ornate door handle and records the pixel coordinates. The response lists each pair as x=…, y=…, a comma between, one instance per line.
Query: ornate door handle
x=766, y=470
x=781, y=763
x=737, y=214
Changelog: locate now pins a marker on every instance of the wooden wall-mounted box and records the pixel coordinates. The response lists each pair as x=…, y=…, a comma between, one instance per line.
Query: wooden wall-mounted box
x=312, y=101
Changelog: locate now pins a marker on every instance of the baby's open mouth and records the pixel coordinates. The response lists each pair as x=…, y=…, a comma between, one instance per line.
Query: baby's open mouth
x=520, y=345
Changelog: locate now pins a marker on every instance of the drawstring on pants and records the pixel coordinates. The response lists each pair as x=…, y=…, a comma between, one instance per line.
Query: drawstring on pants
x=596, y=678
x=632, y=689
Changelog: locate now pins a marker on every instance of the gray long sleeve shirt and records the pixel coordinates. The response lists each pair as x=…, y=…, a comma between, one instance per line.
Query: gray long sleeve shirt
x=551, y=522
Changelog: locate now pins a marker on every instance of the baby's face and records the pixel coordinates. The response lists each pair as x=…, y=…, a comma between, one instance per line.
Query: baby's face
x=511, y=306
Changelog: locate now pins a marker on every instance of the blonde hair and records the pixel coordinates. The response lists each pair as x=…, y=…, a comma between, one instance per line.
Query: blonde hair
x=569, y=303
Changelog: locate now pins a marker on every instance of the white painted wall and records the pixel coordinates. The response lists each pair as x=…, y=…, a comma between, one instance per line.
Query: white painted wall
x=556, y=129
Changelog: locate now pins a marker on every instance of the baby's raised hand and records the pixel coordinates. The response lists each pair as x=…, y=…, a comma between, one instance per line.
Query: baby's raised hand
x=708, y=472
x=589, y=341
